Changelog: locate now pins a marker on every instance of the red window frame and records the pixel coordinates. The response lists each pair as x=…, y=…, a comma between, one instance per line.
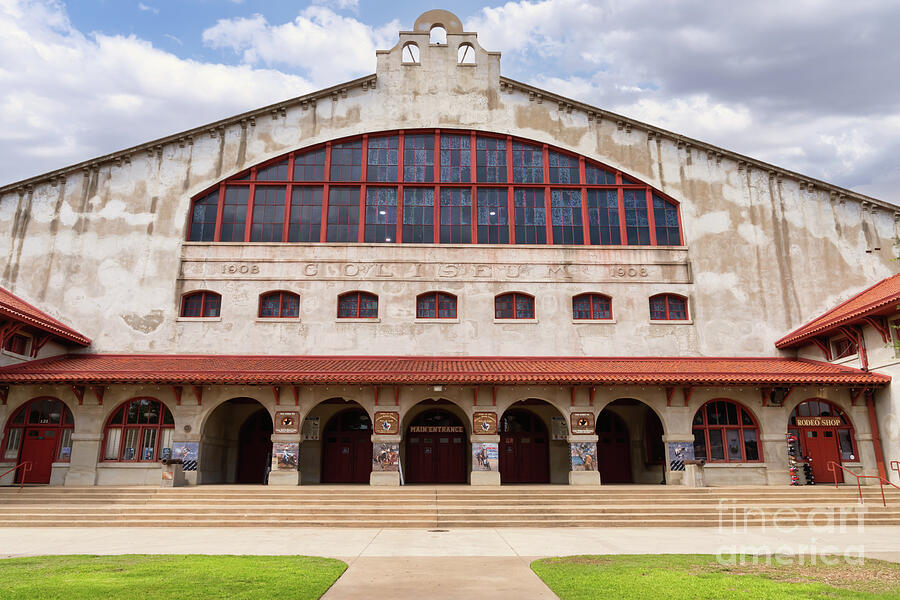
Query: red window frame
x=704, y=428
x=206, y=304
x=17, y=344
x=160, y=426
x=843, y=348
x=668, y=300
x=360, y=296
x=515, y=298
x=345, y=163
x=23, y=415
x=441, y=299
x=282, y=296
x=592, y=298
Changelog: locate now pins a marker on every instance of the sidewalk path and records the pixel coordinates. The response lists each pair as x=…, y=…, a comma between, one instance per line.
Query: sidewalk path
x=445, y=564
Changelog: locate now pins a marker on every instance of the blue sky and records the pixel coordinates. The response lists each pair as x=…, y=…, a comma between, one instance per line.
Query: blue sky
x=809, y=85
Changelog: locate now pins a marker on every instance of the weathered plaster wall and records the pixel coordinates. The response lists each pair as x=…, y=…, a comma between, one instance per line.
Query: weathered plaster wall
x=103, y=250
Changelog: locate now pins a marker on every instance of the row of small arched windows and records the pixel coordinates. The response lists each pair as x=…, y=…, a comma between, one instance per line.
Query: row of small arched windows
x=465, y=54
x=434, y=305
x=142, y=429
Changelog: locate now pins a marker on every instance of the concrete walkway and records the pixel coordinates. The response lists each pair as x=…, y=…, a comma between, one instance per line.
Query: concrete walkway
x=447, y=564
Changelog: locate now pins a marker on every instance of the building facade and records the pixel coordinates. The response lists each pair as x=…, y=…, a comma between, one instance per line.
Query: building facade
x=433, y=274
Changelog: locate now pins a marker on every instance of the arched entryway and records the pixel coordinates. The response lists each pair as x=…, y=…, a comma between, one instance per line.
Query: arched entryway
x=39, y=432
x=524, y=447
x=630, y=443
x=236, y=443
x=826, y=435
x=436, y=448
x=347, y=447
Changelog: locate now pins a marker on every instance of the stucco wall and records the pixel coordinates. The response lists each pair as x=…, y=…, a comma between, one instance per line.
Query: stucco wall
x=104, y=249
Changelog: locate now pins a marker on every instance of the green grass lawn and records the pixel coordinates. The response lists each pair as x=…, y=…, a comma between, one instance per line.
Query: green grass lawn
x=684, y=576
x=169, y=577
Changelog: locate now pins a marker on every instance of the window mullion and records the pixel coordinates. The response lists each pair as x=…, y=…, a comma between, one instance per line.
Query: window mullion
x=473, y=178
x=651, y=220
x=220, y=209
x=548, y=224
x=364, y=173
x=288, y=191
x=510, y=192
x=620, y=200
x=248, y=221
x=437, y=187
x=585, y=225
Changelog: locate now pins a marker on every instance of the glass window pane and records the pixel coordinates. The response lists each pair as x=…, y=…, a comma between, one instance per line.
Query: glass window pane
x=581, y=307
x=700, y=444
x=211, y=304
x=381, y=215
x=665, y=216
x=637, y=223
x=456, y=158
x=531, y=223
x=384, y=156
x=426, y=306
x=148, y=444
x=524, y=307
x=594, y=175
x=418, y=215
x=528, y=163
x=276, y=172
x=563, y=168
x=734, y=444
x=490, y=160
x=343, y=215
x=234, y=213
x=751, y=446
x=456, y=216
x=310, y=166
x=13, y=441
x=347, y=306
x=129, y=452
x=603, y=217
x=113, y=437
x=203, y=218
x=493, y=223
x=346, y=161
x=368, y=306
x=165, y=442
x=565, y=206
x=418, y=158
x=268, y=214
x=306, y=214
x=716, y=446
x=504, y=307
x=846, y=445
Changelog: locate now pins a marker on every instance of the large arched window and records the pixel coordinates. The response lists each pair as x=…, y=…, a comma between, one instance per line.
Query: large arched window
x=668, y=307
x=357, y=305
x=285, y=305
x=35, y=419
x=436, y=305
x=725, y=431
x=591, y=307
x=435, y=186
x=514, y=305
x=201, y=304
x=139, y=430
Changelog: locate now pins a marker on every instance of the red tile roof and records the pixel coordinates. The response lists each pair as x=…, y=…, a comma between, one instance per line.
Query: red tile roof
x=882, y=297
x=13, y=307
x=387, y=370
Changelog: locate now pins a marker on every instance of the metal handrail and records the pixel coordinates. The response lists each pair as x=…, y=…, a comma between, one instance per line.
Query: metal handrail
x=895, y=465
x=26, y=469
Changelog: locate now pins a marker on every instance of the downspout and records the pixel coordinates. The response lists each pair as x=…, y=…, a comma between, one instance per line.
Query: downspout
x=876, y=438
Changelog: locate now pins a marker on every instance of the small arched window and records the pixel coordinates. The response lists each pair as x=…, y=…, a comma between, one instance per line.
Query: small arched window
x=668, y=307
x=285, y=305
x=410, y=54
x=139, y=430
x=514, y=305
x=465, y=55
x=438, y=35
x=203, y=218
x=591, y=307
x=38, y=415
x=725, y=431
x=201, y=304
x=436, y=305
x=357, y=305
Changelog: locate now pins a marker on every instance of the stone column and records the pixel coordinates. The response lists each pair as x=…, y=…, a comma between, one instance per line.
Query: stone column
x=485, y=460
x=677, y=477
x=83, y=462
x=285, y=469
x=385, y=460
x=583, y=460
x=774, y=452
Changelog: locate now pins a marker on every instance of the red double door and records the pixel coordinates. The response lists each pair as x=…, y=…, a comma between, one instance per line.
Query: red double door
x=347, y=448
x=436, y=449
x=39, y=447
x=613, y=449
x=821, y=445
x=524, y=448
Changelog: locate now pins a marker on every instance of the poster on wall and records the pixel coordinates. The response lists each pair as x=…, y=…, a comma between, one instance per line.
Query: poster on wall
x=387, y=423
x=484, y=423
x=678, y=453
x=485, y=456
x=285, y=456
x=311, y=429
x=583, y=456
x=558, y=429
x=287, y=422
x=187, y=452
x=582, y=423
x=386, y=456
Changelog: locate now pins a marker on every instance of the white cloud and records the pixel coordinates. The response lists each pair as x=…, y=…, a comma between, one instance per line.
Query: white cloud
x=147, y=8
x=339, y=4
x=329, y=47
x=66, y=96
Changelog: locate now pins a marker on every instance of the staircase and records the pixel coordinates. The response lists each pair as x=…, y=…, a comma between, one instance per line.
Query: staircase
x=443, y=506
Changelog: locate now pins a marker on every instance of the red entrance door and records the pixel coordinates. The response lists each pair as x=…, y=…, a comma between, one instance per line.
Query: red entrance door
x=821, y=446
x=436, y=449
x=38, y=447
x=347, y=448
x=613, y=449
x=524, y=448
x=255, y=448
